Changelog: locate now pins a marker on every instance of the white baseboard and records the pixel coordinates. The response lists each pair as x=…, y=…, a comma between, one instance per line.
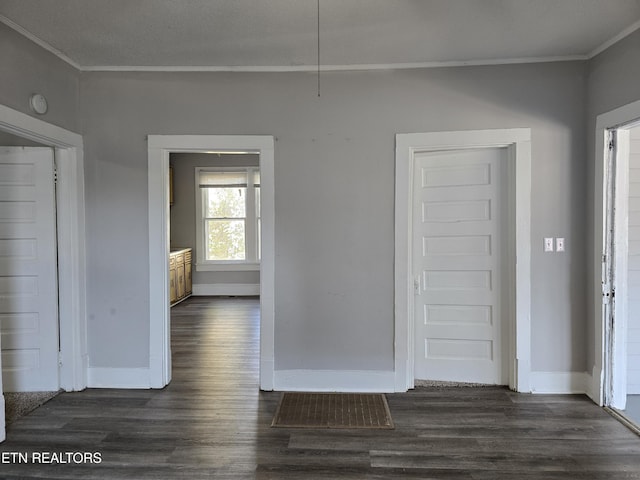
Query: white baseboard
x=118, y=377
x=236, y=289
x=334, y=381
x=560, y=382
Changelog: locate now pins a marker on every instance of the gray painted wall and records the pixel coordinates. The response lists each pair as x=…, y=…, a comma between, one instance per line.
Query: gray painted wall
x=26, y=69
x=334, y=174
x=614, y=81
x=183, y=213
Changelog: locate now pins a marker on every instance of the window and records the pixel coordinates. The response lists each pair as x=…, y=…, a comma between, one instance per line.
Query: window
x=228, y=209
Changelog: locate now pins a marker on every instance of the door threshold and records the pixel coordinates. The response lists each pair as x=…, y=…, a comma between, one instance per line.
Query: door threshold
x=623, y=419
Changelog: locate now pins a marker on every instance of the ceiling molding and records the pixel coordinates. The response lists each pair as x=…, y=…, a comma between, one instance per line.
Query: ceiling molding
x=38, y=41
x=613, y=40
x=335, y=68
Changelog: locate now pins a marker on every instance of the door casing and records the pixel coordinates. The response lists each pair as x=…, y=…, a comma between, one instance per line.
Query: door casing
x=71, y=238
x=518, y=144
x=159, y=149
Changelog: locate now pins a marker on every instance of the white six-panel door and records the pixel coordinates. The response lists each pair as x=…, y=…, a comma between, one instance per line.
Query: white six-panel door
x=458, y=225
x=28, y=270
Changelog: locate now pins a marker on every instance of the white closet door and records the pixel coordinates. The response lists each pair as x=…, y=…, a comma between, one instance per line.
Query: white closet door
x=28, y=270
x=457, y=237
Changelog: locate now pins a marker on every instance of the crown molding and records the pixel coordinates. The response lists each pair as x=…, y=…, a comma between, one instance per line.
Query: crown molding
x=613, y=40
x=333, y=68
x=38, y=41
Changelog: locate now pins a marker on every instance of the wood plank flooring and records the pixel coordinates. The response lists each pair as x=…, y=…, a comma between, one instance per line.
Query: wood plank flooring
x=212, y=422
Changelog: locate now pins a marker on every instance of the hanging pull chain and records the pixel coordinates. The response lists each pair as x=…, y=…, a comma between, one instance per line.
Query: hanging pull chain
x=318, y=36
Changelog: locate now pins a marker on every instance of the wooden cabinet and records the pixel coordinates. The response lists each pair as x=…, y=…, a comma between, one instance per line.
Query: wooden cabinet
x=180, y=284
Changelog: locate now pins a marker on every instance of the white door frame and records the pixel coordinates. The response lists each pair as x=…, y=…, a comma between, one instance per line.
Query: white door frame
x=518, y=143
x=609, y=372
x=71, y=238
x=159, y=149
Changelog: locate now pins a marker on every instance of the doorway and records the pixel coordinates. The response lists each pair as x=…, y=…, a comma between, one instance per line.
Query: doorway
x=620, y=290
x=613, y=236
x=516, y=145
x=160, y=147
x=72, y=358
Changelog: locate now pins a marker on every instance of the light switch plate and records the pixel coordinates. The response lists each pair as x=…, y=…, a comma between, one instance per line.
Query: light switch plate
x=548, y=244
x=560, y=244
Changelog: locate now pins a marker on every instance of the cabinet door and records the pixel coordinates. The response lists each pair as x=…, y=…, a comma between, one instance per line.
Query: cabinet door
x=187, y=273
x=187, y=278
x=173, y=291
x=180, y=283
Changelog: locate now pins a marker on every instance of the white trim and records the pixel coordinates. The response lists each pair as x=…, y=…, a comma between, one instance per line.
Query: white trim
x=518, y=141
x=159, y=147
x=331, y=68
x=626, y=114
x=118, y=377
x=560, y=382
x=613, y=40
x=233, y=289
x=38, y=41
x=71, y=238
x=334, y=381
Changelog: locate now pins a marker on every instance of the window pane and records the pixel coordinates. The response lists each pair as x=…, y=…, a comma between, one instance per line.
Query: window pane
x=225, y=202
x=225, y=239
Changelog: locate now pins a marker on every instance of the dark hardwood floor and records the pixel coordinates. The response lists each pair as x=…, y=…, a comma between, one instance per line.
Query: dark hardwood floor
x=212, y=422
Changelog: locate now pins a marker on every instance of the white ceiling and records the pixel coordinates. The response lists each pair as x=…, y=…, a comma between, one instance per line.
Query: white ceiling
x=281, y=34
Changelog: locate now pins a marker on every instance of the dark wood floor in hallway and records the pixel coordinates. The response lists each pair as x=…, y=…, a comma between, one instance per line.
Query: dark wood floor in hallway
x=212, y=422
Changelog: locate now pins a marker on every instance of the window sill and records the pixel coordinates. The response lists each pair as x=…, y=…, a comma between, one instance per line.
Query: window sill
x=227, y=267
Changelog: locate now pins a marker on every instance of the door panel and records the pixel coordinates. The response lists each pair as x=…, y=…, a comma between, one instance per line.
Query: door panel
x=458, y=229
x=28, y=270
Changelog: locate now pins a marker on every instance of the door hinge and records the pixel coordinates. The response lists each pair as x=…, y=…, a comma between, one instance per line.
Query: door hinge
x=59, y=359
x=55, y=175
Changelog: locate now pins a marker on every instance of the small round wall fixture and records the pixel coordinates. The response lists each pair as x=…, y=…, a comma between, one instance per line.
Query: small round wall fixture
x=38, y=103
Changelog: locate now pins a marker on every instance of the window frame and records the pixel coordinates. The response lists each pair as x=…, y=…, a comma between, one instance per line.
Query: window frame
x=252, y=254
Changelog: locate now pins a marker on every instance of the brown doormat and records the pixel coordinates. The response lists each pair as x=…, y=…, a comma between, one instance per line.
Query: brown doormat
x=333, y=410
